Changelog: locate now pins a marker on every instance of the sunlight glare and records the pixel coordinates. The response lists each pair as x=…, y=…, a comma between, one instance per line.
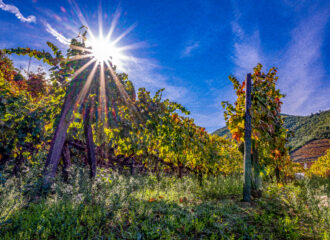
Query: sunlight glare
x=107, y=54
x=104, y=50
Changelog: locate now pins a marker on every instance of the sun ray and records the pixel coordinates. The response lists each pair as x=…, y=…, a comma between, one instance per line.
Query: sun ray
x=82, y=68
x=81, y=17
x=102, y=94
x=103, y=50
x=123, y=92
x=127, y=31
x=85, y=89
x=100, y=20
x=120, y=87
x=113, y=25
x=83, y=49
x=131, y=46
x=78, y=57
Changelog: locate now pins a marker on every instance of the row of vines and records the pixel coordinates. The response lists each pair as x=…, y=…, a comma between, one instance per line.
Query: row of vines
x=162, y=139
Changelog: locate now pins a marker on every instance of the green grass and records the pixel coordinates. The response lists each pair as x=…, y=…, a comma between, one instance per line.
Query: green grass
x=116, y=206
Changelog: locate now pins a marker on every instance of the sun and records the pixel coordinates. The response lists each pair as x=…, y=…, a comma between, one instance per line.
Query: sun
x=106, y=54
x=104, y=51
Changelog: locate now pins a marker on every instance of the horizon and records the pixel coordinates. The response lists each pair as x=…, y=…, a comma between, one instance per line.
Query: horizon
x=191, y=52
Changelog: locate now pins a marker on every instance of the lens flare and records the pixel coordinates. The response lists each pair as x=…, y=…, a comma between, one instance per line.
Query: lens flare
x=108, y=55
x=103, y=51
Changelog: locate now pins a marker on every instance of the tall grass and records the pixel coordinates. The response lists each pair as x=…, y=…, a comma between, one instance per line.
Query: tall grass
x=117, y=206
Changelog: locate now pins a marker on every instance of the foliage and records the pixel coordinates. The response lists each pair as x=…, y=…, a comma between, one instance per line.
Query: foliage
x=268, y=134
x=166, y=141
x=24, y=118
x=321, y=167
x=156, y=136
x=36, y=84
x=304, y=128
x=46, y=57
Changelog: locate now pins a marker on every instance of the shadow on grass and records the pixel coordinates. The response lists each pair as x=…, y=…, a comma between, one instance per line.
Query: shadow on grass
x=159, y=219
x=140, y=207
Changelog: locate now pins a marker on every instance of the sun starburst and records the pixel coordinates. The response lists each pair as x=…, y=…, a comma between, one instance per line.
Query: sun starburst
x=104, y=52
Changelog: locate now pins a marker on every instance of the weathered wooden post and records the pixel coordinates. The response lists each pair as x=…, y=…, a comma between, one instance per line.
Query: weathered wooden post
x=60, y=135
x=89, y=138
x=256, y=183
x=247, y=142
x=76, y=95
x=66, y=161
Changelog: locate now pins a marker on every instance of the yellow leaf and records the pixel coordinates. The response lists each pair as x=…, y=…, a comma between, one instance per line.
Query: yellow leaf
x=48, y=126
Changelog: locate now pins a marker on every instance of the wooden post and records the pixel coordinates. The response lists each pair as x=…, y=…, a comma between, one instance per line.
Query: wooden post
x=66, y=162
x=247, y=142
x=89, y=139
x=59, y=137
x=256, y=186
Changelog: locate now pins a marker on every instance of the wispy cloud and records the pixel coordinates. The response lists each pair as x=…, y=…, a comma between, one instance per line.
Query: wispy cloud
x=302, y=75
x=247, y=53
x=14, y=10
x=56, y=34
x=189, y=48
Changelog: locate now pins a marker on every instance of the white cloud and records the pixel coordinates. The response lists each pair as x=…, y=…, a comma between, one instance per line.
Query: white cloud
x=57, y=35
x=302, y=75
x=189, y=48
x=247, y=52
x=13, y=9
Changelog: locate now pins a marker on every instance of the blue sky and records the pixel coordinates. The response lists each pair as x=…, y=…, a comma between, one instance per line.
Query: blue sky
x=190, y=47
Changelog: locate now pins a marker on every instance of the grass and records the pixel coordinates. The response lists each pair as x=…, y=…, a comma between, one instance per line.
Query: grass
x=116, y=206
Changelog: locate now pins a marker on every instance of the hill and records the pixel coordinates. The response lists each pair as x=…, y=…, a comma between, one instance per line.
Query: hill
x=222, y=132
x=304, y=128
x=310, y=151
x=307, y=128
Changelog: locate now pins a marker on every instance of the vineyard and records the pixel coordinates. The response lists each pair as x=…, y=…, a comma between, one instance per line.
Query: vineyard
x=85, y=155
x=311, y=151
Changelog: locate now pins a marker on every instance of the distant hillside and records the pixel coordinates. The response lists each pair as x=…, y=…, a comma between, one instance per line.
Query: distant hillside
x=305, y=128
x=310, y=151
x=222, y=132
